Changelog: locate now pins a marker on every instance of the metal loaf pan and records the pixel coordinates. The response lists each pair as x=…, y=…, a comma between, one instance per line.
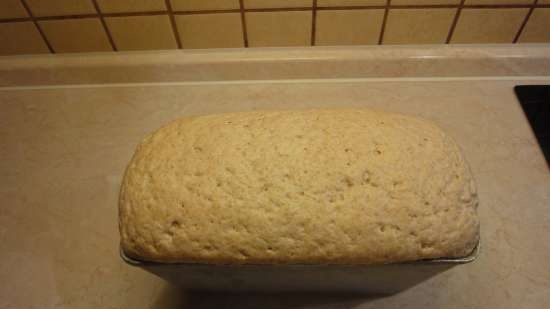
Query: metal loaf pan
x=375, y=279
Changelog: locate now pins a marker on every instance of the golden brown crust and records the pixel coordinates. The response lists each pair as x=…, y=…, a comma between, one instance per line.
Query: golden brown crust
x=342, y=186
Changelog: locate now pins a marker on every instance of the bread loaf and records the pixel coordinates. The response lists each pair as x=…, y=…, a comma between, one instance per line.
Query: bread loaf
x=329, y=186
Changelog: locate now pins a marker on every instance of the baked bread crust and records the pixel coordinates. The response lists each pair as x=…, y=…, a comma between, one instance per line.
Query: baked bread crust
x=322, y=186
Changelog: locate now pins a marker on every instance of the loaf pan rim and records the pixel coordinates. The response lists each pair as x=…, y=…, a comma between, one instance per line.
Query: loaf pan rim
x=437, y=261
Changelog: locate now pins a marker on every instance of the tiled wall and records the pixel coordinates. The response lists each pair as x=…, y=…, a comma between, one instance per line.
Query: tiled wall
x=58, y=26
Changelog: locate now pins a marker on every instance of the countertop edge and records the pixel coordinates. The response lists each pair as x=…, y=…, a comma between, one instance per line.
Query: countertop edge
x=277, y=64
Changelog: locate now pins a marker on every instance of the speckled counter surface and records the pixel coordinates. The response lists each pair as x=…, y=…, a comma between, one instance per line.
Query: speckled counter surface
x=63, y=150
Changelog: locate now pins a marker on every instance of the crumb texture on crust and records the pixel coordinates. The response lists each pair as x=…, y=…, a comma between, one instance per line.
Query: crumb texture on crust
x=331, y=186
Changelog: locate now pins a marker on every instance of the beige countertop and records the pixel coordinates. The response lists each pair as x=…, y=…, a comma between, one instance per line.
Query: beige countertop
x=63, y=149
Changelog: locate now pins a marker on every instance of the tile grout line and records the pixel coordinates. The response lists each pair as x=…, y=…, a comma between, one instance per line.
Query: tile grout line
x=173, y=24
x=347, y=8
x=525, y=21
x=384, y=20
x=243, y=23
x=282, y=9
x=502, y=6
x=313, y=23
x=14, y=20
x=79, y=16
x=35, y=20
x=40, y=31
x=455, y=22
x=318, y=8
x=104, y=24
x=131, y=14
x=421, y=6
x=220, y=11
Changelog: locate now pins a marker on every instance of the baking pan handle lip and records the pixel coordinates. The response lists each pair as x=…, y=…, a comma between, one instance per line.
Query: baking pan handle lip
x=461, y=260
x=129, y=260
